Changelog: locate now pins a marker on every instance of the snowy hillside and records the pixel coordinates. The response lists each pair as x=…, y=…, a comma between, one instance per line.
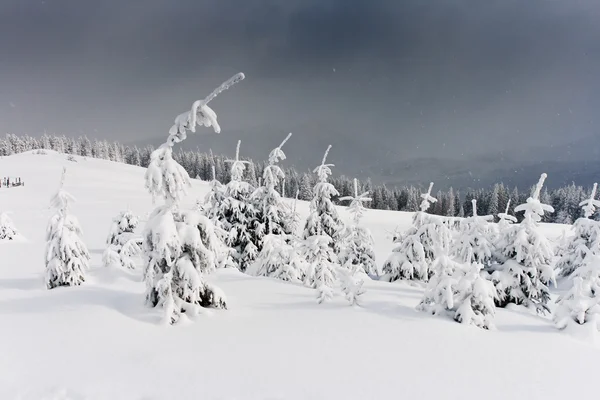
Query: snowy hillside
x=99, y=341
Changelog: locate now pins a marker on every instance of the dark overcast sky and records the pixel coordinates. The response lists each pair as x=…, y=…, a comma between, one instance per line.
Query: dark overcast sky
x=429, y=77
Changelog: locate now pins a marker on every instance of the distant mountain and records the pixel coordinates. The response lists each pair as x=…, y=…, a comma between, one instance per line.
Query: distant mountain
x=369, y=156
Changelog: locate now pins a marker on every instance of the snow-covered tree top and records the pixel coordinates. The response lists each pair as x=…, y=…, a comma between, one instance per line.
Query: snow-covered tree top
x=277, y=154
x=427, y=198
x=323, y=171
x=482, y=217
x=237, y=165
x=505, y=216
x=534, y=209
x=200, y=113
x=589, y=205
x=61, y=199
x=356, y=207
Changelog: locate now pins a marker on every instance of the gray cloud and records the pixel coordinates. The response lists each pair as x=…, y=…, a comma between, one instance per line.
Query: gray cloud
x=420, y=78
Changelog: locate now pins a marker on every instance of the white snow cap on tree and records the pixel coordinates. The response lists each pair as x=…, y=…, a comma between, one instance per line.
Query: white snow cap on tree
x=7, y=228
x=475, y=241
x=590, y=205
x=237, y=166
x=356, y=207
x=505, y=217
x=427, y=198
x=67, y=257
x=177, y=247
x=534, y=209
x=320, y=269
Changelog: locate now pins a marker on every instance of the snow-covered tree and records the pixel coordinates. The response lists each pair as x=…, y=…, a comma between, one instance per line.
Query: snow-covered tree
x=476, y=238
x=280, y=258
x=417, y=247
x=237, y=215
x=323, y=218
x=356, y=251
x=526, y=272
x=67, y=257
x=459, y=291
x=272, y=214
x=581, y=304
x=586, y=238
x=321, y=265
x=7, y=228
x=123, y=244
x=178, y=247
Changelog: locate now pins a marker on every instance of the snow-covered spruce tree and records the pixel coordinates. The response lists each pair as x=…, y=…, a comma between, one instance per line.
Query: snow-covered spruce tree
x=416, y=249
x=586, y=238
x=273, y=216
x=123, y=243
x=7, y=228
x=581, y=304
x=323, y=218
x=526, y=253
x=237, y=215
x=321, y=265
x=280, y=259
x=177, y=246
x=67, y=257
x=476, y=238
x=458, y=290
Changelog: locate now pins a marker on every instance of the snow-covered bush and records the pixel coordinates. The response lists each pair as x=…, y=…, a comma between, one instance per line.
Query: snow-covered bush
x=67, y=257
x=526, y=254
x=356, y=251
x=475, y=242
x=179, y=247
x=323, y=218
x=7, y=228
x=418, y=246
x=458, y=290
x=280, y=259
x=123, y=243
x=273, y=216
x=237, y=216
x=586, y=238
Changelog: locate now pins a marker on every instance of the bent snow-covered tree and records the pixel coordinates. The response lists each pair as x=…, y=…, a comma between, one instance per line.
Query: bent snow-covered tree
x=526, y=253
x=67, y=257
x=323, y=218
x=123, y=244
x=7, y=228
x=177, y=246
x=586, y=238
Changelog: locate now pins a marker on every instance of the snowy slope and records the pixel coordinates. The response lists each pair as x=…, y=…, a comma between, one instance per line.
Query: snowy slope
x=98, y=341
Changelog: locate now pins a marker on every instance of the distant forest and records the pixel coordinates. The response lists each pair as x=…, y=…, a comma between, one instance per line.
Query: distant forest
x=490, y=201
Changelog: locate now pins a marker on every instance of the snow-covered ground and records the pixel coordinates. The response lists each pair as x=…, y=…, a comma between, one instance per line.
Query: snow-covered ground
x=99, y=341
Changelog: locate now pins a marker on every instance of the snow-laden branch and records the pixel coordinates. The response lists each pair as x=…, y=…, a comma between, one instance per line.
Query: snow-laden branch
x=589, y=205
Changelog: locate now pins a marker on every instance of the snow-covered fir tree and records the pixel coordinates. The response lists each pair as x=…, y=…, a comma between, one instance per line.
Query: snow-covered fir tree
x=321, y=265
x=526, y=253
x=356, y=252
x=280, y=258
x=581, y=303
x=237, y=215
x=7, y=228
x=67, y=257
x=586, y=238
x=123, y=245
x=178, y=246
x=416, y=249
x=323, y=218
x=475, y=242
x=273, y=216
x=459, y=291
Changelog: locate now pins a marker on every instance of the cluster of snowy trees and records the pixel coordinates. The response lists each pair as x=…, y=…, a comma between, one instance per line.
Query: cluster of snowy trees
x=200, y=165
